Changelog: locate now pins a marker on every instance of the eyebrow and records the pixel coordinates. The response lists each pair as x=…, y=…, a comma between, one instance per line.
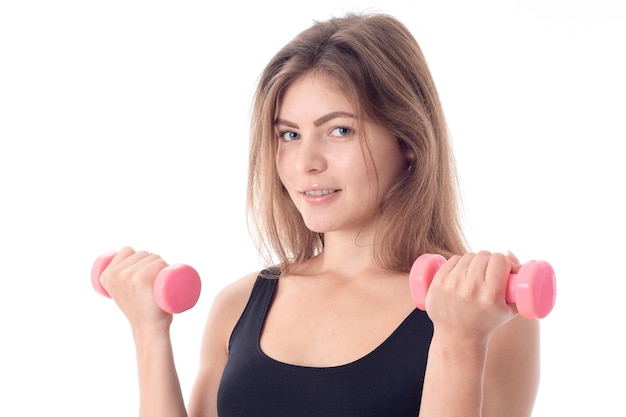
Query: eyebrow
x=318, y=122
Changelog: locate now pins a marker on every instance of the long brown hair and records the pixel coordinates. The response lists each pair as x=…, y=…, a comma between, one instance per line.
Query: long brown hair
x=377, y=63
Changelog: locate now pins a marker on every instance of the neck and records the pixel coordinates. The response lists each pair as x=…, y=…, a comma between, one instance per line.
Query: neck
x=345, y=255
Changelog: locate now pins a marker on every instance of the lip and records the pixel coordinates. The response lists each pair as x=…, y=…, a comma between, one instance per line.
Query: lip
x=319, y=198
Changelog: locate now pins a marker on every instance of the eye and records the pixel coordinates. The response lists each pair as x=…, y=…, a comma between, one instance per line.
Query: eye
x=341, y=131
x=288, y=135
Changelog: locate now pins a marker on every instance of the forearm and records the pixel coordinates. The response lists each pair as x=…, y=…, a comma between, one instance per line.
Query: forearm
x=453, y=383
x=159, y=387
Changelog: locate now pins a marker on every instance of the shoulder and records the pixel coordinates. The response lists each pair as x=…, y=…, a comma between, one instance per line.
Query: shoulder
x=231, y=300
x=227, y=307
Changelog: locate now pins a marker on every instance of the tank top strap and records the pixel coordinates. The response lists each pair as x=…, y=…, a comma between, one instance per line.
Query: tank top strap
x=251, y=321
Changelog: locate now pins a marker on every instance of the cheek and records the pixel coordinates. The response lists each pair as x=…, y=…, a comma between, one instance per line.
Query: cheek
x=353, y=165
x=280, y=166
x=283, y=175
x=390, y=167
x=397, y=164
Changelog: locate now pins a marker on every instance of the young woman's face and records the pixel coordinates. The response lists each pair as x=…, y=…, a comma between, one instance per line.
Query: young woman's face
x=321, y=158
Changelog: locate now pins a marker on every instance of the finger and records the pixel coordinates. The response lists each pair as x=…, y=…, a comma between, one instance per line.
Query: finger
x=450, y=264
x=446, y=269
x=153, y=264
x=142, y=264
x=496, y=276
x=127, y=261
x=477, y=268
x=122, y=255
x=459, y=272
x=463, y=264
x=142, y=259
x=515, y=263
x=457, y=280
x=135, y=261
x=135, y=271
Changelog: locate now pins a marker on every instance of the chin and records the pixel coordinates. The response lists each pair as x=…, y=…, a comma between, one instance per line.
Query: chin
x=319, y=227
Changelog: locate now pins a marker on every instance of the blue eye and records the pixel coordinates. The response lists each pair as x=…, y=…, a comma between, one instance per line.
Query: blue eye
x=342, y=131
x=288, y=135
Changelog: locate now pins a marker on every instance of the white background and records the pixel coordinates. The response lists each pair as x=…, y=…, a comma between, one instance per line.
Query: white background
x=126, y=123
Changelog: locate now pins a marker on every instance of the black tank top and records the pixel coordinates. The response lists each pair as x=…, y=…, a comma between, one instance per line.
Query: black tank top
x=387, y=382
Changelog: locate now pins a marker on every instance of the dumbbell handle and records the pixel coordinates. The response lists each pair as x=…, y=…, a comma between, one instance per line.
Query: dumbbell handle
x=532, y=289
x=176, y=287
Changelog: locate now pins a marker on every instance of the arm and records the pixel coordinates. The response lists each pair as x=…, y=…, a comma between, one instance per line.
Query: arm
x=495, y=378
x=483, y=358
x=159, y=387
x=129, y=279
x=225, y=312
x=512, y=370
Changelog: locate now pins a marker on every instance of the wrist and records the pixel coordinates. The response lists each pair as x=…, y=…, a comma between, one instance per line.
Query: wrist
x=464, y=346
x=151, y=332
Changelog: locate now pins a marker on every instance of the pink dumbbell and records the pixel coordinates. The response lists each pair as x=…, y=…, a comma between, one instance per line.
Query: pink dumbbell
x=176, y=288
x=532, y=289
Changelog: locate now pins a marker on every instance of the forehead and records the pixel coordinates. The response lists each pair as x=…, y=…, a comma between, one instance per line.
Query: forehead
x=312, y=94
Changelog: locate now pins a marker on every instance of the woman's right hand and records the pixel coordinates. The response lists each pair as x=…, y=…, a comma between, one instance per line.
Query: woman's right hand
x=129, y=280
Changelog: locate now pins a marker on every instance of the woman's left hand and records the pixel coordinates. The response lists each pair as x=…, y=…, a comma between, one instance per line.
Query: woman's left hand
x=467, y=295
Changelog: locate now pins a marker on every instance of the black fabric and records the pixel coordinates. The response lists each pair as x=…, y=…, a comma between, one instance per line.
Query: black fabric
x=385, y=383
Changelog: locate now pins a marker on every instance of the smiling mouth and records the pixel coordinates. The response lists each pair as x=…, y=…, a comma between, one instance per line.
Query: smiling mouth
x=318, y=193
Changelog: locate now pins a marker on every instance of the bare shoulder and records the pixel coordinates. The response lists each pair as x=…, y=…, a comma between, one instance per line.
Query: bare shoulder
x=227, y=307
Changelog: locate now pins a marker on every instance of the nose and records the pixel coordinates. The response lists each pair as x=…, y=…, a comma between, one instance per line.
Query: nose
x=311, y=157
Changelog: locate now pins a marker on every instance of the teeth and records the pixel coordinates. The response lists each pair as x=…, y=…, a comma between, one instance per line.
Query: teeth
x=319, y=192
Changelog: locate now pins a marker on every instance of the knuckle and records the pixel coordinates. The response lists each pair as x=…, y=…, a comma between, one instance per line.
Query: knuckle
x=499, y=257
x=126, y=251
x=143, y=254
x=468, y=255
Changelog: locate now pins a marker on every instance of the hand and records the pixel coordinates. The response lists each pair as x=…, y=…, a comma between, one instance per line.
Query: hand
x=129, y=280
x=467, y=295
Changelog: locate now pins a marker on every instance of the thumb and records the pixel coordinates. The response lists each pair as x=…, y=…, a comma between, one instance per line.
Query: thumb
x=515, y=263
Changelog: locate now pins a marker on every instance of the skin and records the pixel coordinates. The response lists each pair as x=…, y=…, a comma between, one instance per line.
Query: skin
x=339, y=306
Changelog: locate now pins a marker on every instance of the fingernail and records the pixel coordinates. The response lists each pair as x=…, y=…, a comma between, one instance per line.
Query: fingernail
x=513, y=257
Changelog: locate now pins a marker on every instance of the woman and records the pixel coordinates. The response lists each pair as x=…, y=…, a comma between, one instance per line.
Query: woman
x=351, y=178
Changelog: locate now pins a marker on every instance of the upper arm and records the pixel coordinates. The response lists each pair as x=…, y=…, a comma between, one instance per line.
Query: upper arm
x=223, y=316
x=512, y=369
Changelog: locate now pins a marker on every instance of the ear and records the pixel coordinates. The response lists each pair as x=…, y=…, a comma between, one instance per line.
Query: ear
x=411, y=160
